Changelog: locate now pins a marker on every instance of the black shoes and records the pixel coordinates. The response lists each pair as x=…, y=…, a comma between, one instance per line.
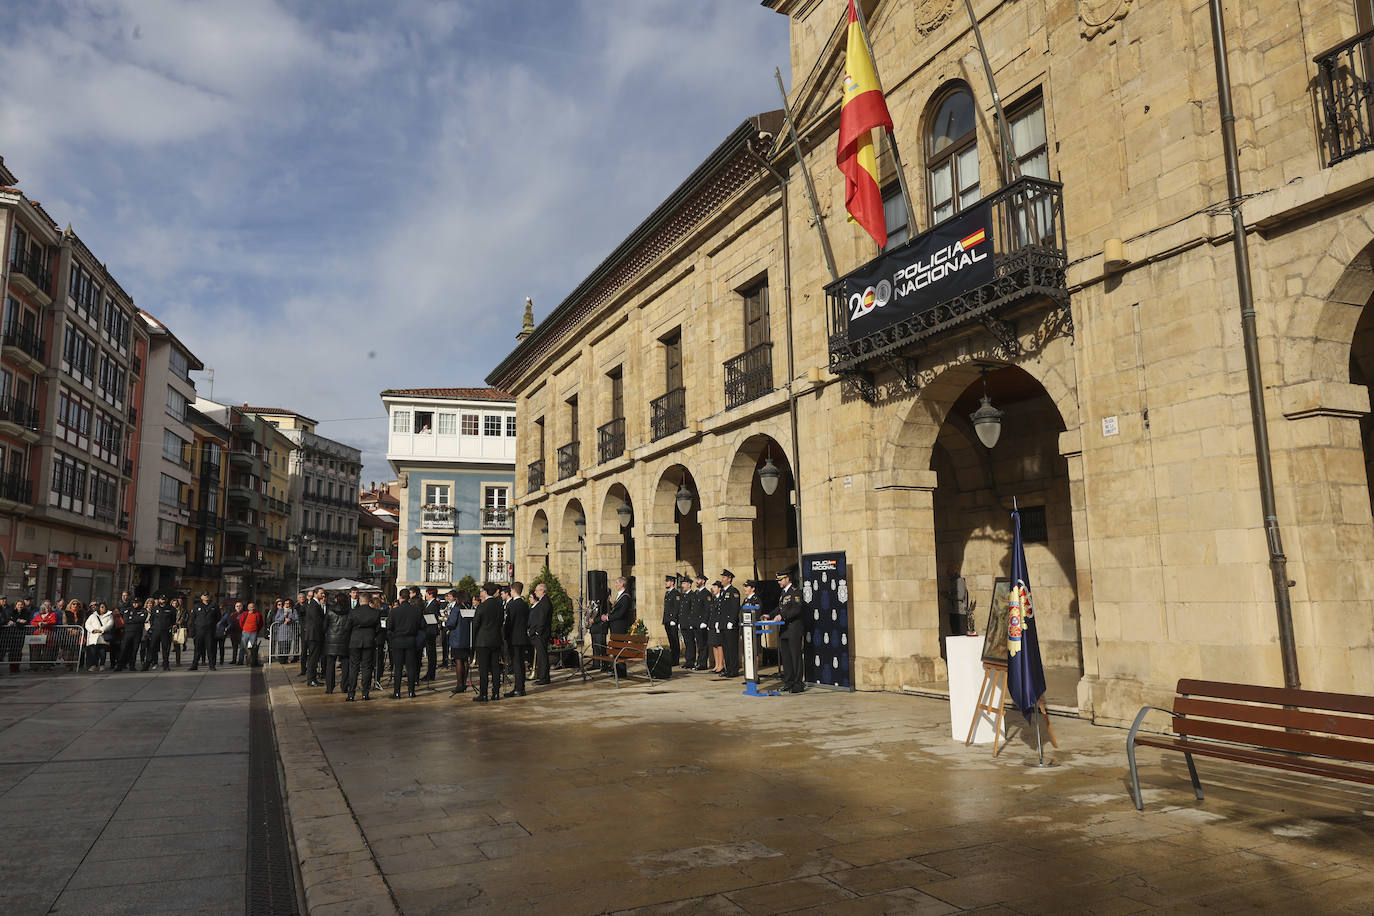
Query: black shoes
x=412, y=694
x=349, y=698
x=193, y=668
x=327, y=691
x=366, y=698
x=479, y=699
x=396, y=695
x=515, y=693
x=315, y=684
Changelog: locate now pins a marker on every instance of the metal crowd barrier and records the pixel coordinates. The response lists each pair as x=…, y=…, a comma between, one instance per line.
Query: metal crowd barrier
x=284, y=651
x=41, y=648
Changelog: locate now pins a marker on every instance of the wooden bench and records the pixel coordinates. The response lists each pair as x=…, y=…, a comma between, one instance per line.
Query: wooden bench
x=619, y=649
x=1279, y=727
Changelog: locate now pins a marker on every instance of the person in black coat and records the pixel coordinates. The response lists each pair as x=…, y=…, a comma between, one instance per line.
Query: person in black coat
x=729, y=618
x=160, y=623
x=312, y=635
x=404, y=624
x=336, y=648
x=135, y=619
x=486, y=642
x=362, y=639
x=791, y=612
x=686, y=623
x=541, y=627
x=671, y=608
x=204, y=617
x=622, y=614
x=517, y=632
x=434, y=613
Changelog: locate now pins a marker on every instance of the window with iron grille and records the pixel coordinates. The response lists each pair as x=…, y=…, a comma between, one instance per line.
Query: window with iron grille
x=1034, y=529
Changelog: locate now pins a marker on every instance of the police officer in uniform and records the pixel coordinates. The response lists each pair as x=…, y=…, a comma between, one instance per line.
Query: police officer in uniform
x=671, y=607
x=362, y=639
x=729, y=601
x=204, y=616
x=403, y=625
x=791, y=613
x=160, y=623
x=135, y=619
x=701, y=613
x=686, y=623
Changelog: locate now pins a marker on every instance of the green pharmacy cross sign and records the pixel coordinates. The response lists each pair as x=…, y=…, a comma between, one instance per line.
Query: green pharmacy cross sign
x=379, y=560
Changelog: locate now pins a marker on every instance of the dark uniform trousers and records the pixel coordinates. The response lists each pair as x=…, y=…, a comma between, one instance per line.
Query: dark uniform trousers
x=359, y=657
x=313, y=651
x=487, y=657
x=128, y=649
x=405, y=655
x=205, y=648
x=689, y=644
x=703, y=647
x=159, y=640
x=673, y=646
x=792, y=660
x=730, y=638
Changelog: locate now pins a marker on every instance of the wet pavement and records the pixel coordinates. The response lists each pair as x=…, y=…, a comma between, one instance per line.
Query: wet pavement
x=688, y=797
x=124, y=793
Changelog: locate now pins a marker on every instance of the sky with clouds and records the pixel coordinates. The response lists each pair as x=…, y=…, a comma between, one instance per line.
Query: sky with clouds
x=327, y=199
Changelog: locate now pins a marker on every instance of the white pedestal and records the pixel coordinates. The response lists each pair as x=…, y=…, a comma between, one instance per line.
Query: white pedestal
x=964, y=655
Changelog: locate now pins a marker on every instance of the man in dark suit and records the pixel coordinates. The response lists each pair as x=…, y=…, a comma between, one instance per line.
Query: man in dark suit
x=671, y=609
x=792, y=614
x=622, y=614
x=541, y=626
x=517, y=635
x=486, y=642
x=362, y=638
x=434, y=613
x=312, y=632
x=403, y=626
x=729, y=616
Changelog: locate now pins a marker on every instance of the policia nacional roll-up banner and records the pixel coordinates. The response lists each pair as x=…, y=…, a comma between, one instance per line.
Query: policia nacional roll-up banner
x=825, y=595
x=934, y=267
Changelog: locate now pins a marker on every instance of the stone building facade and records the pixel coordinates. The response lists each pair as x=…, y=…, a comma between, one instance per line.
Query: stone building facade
x=1110, y=339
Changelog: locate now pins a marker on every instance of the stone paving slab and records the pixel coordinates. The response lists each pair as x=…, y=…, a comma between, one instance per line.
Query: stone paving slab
x=126, y=792
x=687, y=797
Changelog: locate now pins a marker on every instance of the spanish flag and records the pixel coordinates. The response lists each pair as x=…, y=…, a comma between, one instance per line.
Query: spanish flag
x=863, y=109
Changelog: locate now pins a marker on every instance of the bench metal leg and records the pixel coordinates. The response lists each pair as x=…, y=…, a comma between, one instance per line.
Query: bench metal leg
x=1192, y=771
x=1130, y=757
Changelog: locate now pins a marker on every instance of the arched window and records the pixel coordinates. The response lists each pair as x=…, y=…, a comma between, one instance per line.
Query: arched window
x=952, y=155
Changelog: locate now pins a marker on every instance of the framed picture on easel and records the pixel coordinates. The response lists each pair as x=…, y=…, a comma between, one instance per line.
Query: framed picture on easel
x=995, y=638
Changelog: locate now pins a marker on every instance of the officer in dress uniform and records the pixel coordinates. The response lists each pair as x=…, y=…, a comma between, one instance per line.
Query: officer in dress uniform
x=160, y=623
x=729, y=601
x=701, y=612
x=687, y=631
x=135, y=619
x=716, y=631
x=791, y=613
x=670, y=617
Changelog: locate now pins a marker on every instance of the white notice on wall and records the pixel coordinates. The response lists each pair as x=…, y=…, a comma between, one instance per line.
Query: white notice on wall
x=1109, y=426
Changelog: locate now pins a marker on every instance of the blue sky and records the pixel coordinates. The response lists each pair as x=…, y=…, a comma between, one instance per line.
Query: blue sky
x=327, y=199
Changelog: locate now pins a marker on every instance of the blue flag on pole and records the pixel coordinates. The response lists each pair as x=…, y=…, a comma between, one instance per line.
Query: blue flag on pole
x=1025, y=672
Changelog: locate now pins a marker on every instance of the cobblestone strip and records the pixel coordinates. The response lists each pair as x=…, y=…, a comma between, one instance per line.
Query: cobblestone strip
x=338, y=871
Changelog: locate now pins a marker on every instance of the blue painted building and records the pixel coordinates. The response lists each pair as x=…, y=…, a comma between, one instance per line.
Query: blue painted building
x=453, y=451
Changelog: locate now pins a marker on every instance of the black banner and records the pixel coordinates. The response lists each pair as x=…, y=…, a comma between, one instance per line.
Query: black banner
x=825, y=595
x=934, y=267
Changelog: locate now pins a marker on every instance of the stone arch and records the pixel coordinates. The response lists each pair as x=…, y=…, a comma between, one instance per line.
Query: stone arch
x=745, y=448
x=540, y=542
x=1319, y=338
x=615, y=543
x=678, y=538
x=567, y=527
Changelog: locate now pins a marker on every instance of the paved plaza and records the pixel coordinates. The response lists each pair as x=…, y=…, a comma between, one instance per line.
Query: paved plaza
x=687, y=797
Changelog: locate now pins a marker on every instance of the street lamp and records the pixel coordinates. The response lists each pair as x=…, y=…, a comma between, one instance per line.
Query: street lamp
x=683, y=497
x=987, y=420
x=624, y=513
x=768, y=476
x=298, y=545
x=580, y=526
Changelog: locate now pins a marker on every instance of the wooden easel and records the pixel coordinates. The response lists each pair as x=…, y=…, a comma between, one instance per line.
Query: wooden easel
x=995, y=686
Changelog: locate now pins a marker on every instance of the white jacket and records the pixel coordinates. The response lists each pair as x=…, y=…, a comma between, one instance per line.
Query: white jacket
x=95, y=627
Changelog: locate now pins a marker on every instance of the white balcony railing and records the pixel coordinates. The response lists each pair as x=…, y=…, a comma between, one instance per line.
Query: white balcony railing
x=438, y=518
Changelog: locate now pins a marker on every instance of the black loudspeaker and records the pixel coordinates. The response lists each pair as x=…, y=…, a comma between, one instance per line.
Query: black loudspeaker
x=597, y=588
x=660, y=663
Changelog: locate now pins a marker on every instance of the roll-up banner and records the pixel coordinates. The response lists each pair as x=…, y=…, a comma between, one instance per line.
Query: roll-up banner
x=934, y=267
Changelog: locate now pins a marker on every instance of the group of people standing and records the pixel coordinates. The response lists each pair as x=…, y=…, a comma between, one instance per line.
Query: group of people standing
x=704, y=623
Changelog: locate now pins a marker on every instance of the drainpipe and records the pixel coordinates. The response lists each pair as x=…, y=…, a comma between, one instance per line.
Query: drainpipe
x=1278, y=563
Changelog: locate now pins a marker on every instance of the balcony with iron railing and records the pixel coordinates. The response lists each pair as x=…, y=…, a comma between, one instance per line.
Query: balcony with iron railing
x=19, y=417
x=210, y=470
x=438, y=518
x=16, y=488
x=496, y=571
x=206, y=520
x=1001, y=254
x=133, y=415
x=438, y=571
x=1346, y=98
x=749, y=375
x=568, y=463
x=610, y=440
x=203, y=571
x=29, y=270
x=534, y=476
x=498, y=518
x=136, y=364
x=128, y=467
x=668, y=414
x=23, y=341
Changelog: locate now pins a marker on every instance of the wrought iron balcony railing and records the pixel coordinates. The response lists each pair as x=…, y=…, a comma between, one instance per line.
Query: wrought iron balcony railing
x=16, y=488
x=34, y=267
x=24, y=337
x=610, y=440
x=438, y=518
x=668, y=414
x=500, y=518
x=495, y=571
x=15, y=411
x=749, y=375
x=1004, y=250
x=534, y=476
x=568, y=463
x=210, y=521
x=438, y=571
x=1344, y=75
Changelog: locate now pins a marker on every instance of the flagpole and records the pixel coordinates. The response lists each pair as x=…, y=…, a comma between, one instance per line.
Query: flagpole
x=810, y=189
x=1008, y=153
x=890, y=134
